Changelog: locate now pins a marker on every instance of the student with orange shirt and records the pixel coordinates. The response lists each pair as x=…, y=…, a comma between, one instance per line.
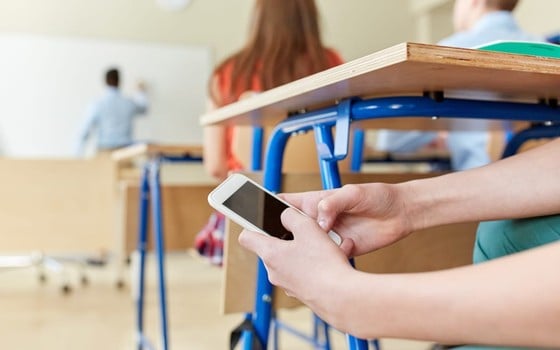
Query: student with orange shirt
x=284, y=45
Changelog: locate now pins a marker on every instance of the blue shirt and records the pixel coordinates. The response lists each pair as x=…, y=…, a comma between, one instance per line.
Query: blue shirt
x=497, y=25
x=468, y=149
x=112, y=118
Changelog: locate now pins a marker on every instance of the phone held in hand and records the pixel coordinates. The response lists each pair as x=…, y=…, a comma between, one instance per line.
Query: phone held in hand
x=250, y=205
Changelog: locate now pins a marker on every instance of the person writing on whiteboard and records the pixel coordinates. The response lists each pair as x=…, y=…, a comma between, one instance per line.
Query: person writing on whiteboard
x=112, y=116
x=508, y=298
x=284, y=45
x=477, y=22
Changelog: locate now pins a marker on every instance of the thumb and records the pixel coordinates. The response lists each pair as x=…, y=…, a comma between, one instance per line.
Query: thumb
x=338, y=202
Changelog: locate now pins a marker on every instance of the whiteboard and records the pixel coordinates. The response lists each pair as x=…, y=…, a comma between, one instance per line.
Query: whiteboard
x=47, y=83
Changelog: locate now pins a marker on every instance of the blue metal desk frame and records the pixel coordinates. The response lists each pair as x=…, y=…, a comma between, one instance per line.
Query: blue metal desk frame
x=330, y=150
x=150, y=196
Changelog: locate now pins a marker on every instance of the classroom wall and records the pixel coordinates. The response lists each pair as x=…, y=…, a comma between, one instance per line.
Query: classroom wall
x=355, y=27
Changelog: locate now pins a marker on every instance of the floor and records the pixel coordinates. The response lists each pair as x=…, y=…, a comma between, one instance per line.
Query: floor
x=36, y=316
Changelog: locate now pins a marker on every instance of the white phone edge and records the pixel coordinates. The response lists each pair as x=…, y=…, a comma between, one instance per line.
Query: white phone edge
x=232, y=183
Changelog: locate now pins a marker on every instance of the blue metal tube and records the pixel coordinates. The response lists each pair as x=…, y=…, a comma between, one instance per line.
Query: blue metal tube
x=256, y=158
x=263, y=297
x=417, y=106
x=312, y=340
x=357, y=150
x=531, y=133
x=142, y=242
x=330, y=176
x=159, y=245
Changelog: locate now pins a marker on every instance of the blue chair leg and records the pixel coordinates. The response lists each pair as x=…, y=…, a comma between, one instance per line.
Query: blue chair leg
x=160, y=247
x=357, y=150
x=330, y=177
x=141, y=248
x=321, y=333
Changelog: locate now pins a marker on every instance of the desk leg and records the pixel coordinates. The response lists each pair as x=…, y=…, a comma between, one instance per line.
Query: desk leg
x=357, y=150
x=262, y=315
x=142, y=242
x=330, y=177
x=159, y=245
x=321, y=333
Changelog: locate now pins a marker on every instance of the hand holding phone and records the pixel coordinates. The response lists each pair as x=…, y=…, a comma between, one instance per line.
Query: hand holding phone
x=253, y=207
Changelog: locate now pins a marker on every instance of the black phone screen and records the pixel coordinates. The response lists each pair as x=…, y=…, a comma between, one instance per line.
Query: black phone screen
x=259, y=208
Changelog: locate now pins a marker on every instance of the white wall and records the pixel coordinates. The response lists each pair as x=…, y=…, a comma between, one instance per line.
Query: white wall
x=354, y=27
x=48, y=82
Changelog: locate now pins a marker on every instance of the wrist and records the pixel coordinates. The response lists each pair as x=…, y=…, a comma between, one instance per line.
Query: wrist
x=415, y=205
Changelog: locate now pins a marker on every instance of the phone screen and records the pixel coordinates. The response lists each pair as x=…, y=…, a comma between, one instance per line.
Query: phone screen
x=259, y=208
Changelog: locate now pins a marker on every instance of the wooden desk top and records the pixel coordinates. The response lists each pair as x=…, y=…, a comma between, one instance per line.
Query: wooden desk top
x=404, y=69
x=147, y=150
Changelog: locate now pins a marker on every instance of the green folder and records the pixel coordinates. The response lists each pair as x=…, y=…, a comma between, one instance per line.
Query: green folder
x=524, y=48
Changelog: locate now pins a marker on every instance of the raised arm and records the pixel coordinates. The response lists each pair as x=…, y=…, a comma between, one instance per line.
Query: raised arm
x=140, y=99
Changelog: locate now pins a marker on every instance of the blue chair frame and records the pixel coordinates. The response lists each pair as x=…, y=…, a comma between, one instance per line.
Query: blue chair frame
x=330, y=151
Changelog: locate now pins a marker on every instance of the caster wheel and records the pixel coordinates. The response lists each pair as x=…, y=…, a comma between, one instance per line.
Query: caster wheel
x=120, y=284
x=42, y=278
x=84, y=280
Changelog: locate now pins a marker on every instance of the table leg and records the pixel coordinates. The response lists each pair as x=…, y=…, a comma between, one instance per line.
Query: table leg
x=142, y=242
x=159, y=245
x=330, y=176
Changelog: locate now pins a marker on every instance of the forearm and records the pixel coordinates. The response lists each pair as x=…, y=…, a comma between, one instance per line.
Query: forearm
x=511, y=301
x=214, y=152
x=525, y=185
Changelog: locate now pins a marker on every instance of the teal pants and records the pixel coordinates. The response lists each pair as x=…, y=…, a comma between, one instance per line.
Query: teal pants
x=495, y=239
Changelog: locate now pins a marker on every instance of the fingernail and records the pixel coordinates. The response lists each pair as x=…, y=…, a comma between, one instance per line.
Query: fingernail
x=322, y=223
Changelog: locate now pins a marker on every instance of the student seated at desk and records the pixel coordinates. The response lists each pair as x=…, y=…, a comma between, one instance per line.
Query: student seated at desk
x=510, y=301
x=477, y=22
x=284, y=45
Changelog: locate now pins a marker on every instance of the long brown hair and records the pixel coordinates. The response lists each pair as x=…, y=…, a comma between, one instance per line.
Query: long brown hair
x=284, y=45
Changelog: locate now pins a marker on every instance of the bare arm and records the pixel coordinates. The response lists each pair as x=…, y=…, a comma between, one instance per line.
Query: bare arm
x=214, y=151
x=510, y=301
x=526, y=185
x=371, y=216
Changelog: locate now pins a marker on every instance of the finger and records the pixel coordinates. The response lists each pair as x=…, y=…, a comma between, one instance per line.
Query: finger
x=347, y=247
x=305, y=201
x=297, y=223
x=256, y=242
x=337, y=202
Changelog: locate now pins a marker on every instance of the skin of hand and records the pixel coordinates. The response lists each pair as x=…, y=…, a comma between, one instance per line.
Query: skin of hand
x=311, y=247
x=366, y=216
x=483, y=304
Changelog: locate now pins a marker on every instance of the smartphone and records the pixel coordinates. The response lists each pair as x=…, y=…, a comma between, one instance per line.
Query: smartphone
x=250, y=205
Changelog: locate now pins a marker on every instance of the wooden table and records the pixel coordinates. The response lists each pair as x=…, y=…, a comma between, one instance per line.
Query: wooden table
x=143, y=150
x=378, y=91
x=404, y=69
